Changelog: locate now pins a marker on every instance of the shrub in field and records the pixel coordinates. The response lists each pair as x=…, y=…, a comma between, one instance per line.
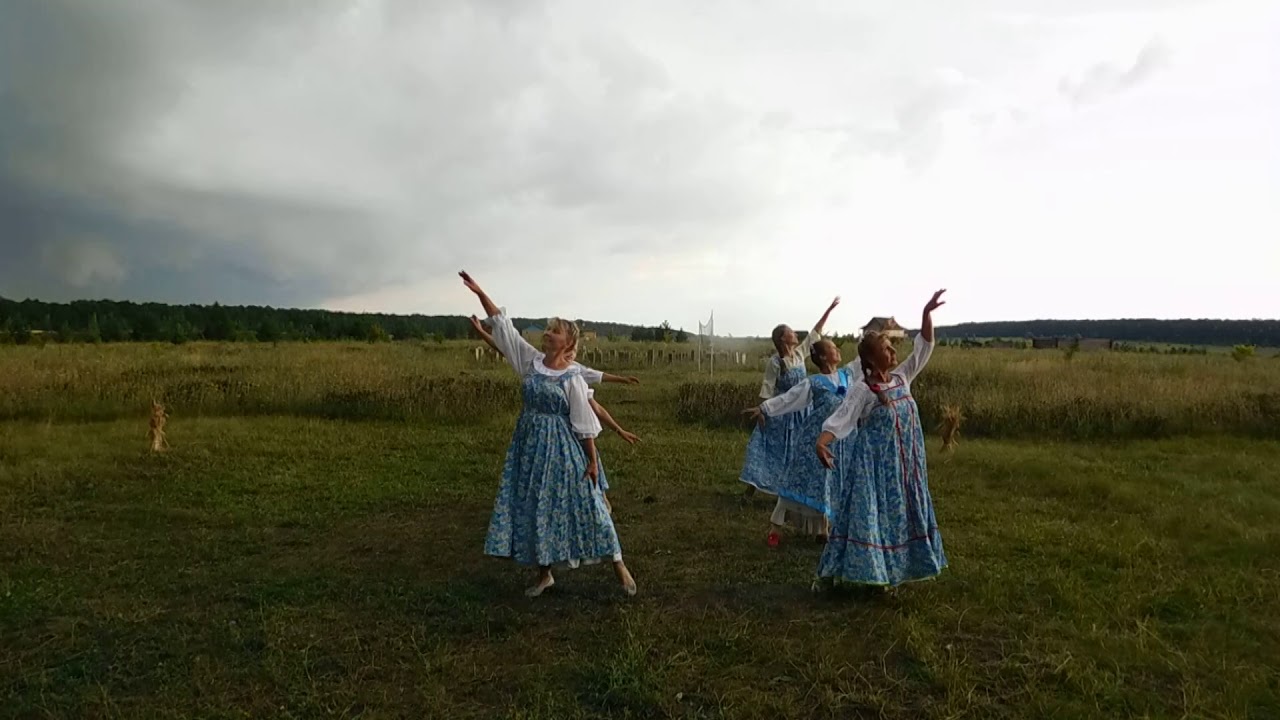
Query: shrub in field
x=1240, y=353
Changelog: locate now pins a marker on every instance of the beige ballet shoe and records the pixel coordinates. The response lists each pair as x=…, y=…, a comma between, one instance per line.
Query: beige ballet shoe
x=542, y=585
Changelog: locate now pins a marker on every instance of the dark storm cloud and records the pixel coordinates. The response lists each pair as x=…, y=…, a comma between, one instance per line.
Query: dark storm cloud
x=289, y=152
x=75, y=79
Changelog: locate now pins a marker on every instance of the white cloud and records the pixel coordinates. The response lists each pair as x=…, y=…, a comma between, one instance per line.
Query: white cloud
x=1107, y=78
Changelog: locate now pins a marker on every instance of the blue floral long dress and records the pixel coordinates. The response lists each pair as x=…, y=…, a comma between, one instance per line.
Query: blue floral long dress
x=770, y=447
x=806, y=480
x=884, y=531
x=600, y=476
x=547, y=511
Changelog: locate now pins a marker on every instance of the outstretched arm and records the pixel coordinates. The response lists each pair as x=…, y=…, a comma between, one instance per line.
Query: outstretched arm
x=790, y=401
x=822, y=321
x=922, y=346
x=484, y=334
x=621, y=379
x=504, y=337
x=841, y=423
x=490, y=309
x=583, y=421
x=926, y=320
x=594, y=377
x=816, y=333
x=607, y=420
x=793, y=400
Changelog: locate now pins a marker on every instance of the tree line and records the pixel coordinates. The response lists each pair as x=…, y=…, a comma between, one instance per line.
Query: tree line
x=1225, y=333
x=124, y=321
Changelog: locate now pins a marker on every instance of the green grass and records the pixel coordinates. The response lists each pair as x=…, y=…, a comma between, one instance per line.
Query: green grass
x=289, y=564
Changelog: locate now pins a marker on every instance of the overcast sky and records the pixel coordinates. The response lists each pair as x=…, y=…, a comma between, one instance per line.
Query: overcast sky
x=649, y=160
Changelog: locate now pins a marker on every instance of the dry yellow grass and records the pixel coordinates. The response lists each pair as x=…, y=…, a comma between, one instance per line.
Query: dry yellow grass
x=1001, y=393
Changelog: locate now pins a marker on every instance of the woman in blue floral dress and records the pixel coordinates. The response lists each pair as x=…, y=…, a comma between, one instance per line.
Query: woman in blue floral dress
x=770, y=447
x=806, y=481
x=884, y=532
x=592, y=377
x=549, y=509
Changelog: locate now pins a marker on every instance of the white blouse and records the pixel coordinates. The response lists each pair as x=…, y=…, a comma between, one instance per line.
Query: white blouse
x=769, y=387
x=591, y=375
x=861, y=400
x=798, y=397
x=526, y=360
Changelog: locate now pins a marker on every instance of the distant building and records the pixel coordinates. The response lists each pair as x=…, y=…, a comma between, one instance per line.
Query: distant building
x=533, y=334
x=588, y=336
x=887, y=326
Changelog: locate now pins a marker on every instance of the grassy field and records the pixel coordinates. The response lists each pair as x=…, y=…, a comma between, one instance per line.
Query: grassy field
x=311, y=547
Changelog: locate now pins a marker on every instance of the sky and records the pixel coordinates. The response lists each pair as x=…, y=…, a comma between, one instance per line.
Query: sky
x=647, y=160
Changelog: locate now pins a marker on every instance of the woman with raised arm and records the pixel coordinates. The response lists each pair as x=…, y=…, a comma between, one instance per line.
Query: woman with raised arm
x=884, y=531
x=806, y=482
x=592, y=377
x=770, y=447
x=549, y=509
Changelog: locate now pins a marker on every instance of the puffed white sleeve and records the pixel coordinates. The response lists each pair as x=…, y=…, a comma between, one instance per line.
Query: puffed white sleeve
x=788, y=402
x=847, y=416
x=591, y=375
x=582, y=418
x=921, y=350
x=518, y=352
x=769, y=387
x=806, y=345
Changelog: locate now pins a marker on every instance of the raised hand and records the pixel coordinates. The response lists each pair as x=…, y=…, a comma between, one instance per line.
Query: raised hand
x=822, y=321
x=477, y=326
x=490, y=308
x=472, y=285
x=934, y=303
x=926, y=318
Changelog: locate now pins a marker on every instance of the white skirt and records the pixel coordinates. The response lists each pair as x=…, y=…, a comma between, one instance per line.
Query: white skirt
x=799, y=517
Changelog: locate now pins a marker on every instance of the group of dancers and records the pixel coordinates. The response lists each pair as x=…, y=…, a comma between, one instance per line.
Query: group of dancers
x=842, y=450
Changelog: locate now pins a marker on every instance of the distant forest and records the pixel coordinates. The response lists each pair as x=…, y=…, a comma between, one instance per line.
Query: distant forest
x=121, y=321
x=1263, y=333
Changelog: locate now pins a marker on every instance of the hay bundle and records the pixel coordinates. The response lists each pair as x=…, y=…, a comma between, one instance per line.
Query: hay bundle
x=158, y=419
x=949, y=428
